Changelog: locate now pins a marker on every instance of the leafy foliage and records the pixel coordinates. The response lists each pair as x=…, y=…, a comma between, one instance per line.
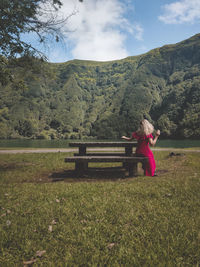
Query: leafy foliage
x=27, y=16
x=80, y=99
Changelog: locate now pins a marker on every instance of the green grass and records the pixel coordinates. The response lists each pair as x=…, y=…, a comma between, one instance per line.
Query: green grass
x=101, y=219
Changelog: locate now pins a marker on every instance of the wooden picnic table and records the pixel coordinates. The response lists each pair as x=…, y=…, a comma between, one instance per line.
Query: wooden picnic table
x=127, y=157
x=84, y=145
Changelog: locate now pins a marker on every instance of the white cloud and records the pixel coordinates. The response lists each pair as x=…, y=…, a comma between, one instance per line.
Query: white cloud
x=182, y=11
x=138, y=32
x=99, y=29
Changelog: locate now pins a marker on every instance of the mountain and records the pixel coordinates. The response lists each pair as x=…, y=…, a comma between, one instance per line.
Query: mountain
x=80, y=99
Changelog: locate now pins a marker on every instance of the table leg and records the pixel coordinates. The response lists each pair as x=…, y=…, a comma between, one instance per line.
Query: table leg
x=128, y=151
x=132, y=169
x=81, y=167
x=82, y=150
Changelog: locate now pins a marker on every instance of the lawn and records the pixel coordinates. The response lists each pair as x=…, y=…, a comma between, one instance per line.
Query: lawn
x=50, y=217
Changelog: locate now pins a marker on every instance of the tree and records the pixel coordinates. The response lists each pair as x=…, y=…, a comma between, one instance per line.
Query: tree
x=25, y=128
x=27, y=16
x=18, y=17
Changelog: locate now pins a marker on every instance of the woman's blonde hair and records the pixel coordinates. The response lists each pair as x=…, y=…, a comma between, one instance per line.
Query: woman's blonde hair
x=145, y=128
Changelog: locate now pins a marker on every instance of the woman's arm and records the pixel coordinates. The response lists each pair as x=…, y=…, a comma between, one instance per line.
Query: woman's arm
x=153, y=141
x=127, y=138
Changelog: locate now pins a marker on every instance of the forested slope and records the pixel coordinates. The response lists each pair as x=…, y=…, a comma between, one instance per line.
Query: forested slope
x=80, y=99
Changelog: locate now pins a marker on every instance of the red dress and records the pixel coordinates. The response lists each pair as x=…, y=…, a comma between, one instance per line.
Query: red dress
x=144, y=149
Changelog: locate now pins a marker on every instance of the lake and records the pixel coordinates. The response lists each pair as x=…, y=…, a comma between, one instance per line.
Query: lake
x=64, y=143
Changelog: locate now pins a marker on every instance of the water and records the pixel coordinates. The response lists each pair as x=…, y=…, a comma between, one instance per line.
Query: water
x=34, y=143
x=186, y=143
x=64, y=143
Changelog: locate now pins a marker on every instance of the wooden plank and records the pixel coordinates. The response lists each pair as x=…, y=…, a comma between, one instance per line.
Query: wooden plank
x=105, y=159
x=103, y=144
x=102, y=154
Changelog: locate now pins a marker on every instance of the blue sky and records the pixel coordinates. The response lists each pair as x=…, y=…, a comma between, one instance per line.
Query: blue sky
x=104, y=30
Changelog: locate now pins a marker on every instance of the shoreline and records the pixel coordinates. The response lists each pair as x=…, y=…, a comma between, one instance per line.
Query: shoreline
x=67, y=150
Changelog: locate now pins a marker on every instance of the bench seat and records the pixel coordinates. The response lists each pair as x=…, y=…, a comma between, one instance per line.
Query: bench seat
x=130, y=162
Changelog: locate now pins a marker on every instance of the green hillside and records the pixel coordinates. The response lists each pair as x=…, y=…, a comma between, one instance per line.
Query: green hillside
x=80, y=99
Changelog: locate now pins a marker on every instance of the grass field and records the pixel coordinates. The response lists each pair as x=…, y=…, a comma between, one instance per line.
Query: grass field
x=50, y=217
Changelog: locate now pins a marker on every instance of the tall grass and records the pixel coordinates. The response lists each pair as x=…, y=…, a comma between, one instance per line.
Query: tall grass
x=98, y=220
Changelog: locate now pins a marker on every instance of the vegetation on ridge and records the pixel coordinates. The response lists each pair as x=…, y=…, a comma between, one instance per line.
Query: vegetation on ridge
x=80, y=99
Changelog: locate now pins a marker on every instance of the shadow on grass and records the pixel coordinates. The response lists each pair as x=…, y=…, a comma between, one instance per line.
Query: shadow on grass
x=96, y=174
x=92, y=174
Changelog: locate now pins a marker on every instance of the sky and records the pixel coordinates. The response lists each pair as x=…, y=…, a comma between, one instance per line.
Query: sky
x=106, y=30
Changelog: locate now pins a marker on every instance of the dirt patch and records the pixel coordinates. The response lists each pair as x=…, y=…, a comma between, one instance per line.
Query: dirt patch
x=160, y=172
x=14, y=165
x=173, y=154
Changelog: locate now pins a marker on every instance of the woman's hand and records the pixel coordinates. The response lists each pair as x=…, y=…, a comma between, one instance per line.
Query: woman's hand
x=126, y=138
x=153, y=141
x=157, y=132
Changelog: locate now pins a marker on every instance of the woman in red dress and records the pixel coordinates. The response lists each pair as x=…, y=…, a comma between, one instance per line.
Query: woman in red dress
x=145, y=138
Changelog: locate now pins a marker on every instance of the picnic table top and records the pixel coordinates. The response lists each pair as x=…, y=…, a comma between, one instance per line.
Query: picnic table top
x=103, y=144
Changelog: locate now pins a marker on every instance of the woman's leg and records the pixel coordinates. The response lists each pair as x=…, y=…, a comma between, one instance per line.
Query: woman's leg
x=150, y=167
